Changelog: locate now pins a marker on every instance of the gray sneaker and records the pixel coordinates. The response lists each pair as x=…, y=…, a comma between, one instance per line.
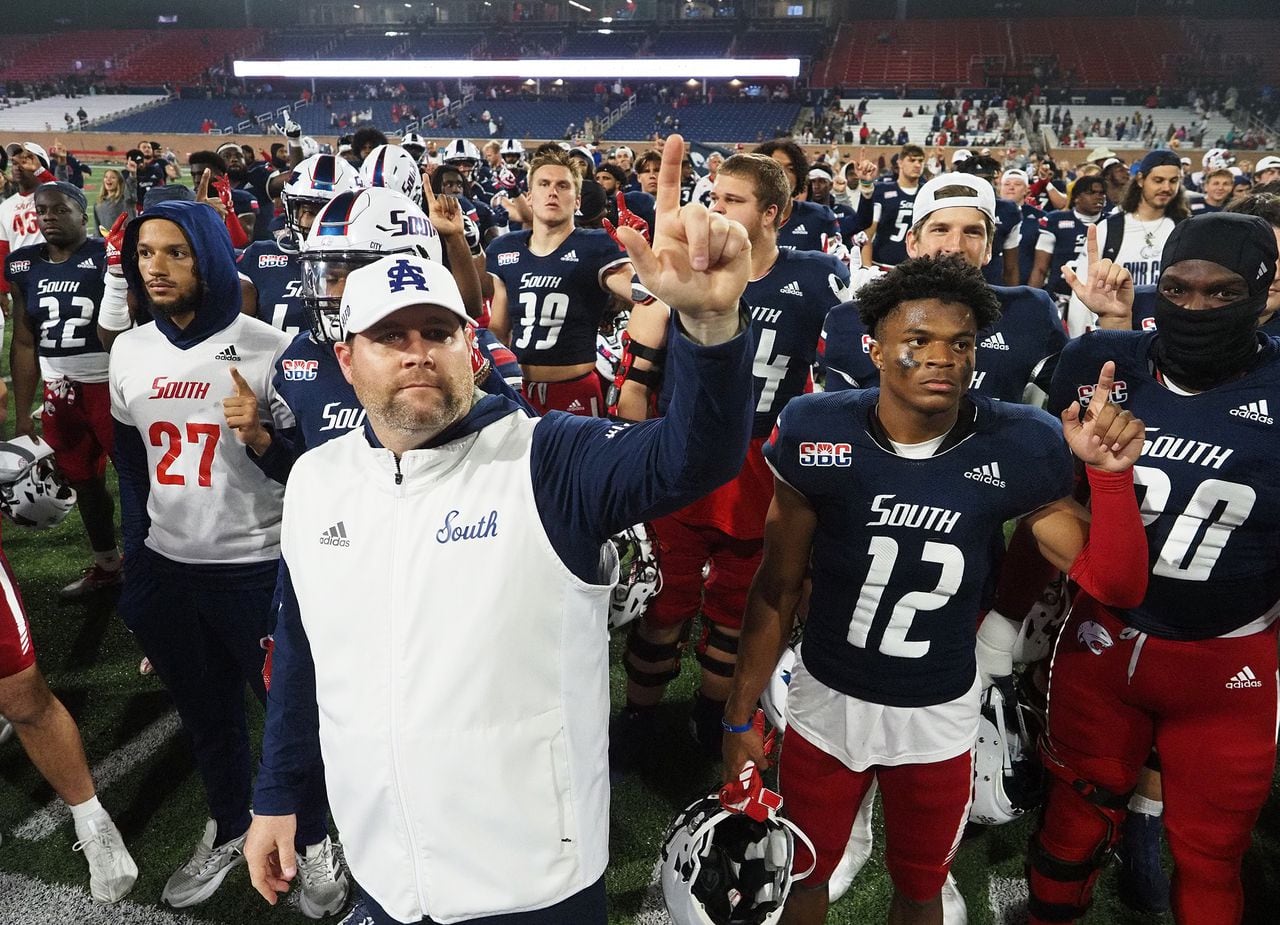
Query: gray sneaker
x=112, y=871
x=324, y=882
x=199, y=878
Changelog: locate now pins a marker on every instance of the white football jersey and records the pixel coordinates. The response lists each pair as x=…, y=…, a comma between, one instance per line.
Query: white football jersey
x=209, y=503
x=18, y=223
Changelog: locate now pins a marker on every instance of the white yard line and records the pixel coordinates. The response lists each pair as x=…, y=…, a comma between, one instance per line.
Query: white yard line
x=26, y=900
x=653, y=911
x=1007, y=897
x=43, y=823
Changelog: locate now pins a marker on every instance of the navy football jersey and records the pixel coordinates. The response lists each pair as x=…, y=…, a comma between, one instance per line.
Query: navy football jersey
x=904, y=548
x=808, y=227
x=555, y=302
x=1207, y=482
x=62, y=302
x=892, y=207
x=277, y=275
x=1008, y=220
x=1066, y=232
x=1020, y=349
x=1030, y=235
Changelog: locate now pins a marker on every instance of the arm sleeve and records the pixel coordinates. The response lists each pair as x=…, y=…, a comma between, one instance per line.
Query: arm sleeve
x=130, y=459
x=1113, y=567
x=592, y=477
x=291, y=737
x=1046, y=241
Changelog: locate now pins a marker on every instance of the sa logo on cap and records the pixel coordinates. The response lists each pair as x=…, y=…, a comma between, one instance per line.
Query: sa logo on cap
x=402, y=274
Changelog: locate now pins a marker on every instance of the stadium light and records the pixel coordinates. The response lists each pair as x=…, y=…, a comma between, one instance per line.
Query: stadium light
x=568, y=68
x=581, y=6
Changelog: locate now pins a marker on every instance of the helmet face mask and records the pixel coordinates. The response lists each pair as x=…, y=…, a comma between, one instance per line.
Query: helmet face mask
x=33, y=492
x=512, y=152
x=311, y=185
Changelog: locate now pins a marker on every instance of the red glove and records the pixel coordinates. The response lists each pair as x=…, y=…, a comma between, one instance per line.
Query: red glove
x=222, y=186
x=115, y=241
x=628, y=219
x=506, y=179
x=269, y=645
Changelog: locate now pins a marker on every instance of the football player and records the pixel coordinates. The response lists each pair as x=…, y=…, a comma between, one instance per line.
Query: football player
x=806, y=225
x=551, y=286
x=251, y=176
x=270, y=268
x=955, y=214
x=1062, y=235
x=890, y=206
x=57, y=290
x=201, y=522
x=46, y=730
x=896, y=498
x=19, y=225
x=1191, y=669
x=790, y=293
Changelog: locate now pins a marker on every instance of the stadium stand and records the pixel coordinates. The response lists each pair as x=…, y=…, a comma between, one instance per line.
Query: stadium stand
x=47, y=114
x=732, y=121
x=43, y=57
x=923, y=53
x=181, y=57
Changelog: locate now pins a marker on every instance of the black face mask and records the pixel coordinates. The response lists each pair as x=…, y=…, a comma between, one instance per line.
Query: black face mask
x=1202, y=349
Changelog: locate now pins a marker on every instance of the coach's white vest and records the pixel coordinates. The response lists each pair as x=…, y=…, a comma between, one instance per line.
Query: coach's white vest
x=461, y=675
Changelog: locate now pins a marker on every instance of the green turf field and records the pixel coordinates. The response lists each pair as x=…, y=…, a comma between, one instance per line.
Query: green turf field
x=130, y=738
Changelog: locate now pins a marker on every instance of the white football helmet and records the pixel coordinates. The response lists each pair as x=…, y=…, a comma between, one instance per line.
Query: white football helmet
x=721, y=867
x=354, y=229
x=393, y=168
x=313, y=183
x=460, y=151
x=773, y=699
x=32, y=491
x=1007, y=773
x=512, y=151
x=639, y=577
x=415, y=144
x=1217, y=158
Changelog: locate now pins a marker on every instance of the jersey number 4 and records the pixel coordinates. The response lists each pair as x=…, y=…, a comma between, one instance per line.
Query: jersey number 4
x=162, y=433
x=893, y=640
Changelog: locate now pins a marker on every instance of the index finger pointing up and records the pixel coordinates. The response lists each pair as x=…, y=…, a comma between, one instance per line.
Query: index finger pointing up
x=1091, y=245
x=668, y=198
x=1106, y=379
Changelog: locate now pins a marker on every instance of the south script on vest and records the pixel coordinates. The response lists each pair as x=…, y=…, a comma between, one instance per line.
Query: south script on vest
x=486, y=526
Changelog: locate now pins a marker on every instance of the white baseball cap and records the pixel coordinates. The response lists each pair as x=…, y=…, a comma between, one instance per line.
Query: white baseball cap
x=960, y=155
x=819, y=172
x=980, y=196
x=394, y=282
x=1270, y=162
x=31, y=148
x=1017, y=174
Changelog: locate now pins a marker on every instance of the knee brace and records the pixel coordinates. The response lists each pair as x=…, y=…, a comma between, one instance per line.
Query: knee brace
x=715, y=638
x=1085, y=815
x=640, y=649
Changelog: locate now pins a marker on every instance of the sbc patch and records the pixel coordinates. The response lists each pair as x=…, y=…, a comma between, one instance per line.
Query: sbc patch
x=299, y=370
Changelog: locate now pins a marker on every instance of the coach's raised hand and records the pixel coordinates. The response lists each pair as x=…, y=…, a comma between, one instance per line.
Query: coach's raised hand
x=699, y=262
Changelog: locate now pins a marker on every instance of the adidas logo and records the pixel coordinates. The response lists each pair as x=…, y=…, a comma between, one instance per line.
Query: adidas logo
x=571, y=257
x=995, y=342
x=1243, y=678
x=799, y=229
x=791, y=288
x=575, y=407
x=988, y=474
x=87, y=264
x=335, y=536
x=1254, y=411
x=228, y=353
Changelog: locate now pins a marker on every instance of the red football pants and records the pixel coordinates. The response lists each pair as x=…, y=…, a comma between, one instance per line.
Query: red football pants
x=1209, y=707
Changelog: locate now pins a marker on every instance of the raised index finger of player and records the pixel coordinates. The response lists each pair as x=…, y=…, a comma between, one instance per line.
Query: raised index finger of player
x=1106, y=379
x=1091, y=245
x=668, y=197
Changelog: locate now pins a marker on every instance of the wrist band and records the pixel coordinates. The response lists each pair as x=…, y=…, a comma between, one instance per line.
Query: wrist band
x=737, y=730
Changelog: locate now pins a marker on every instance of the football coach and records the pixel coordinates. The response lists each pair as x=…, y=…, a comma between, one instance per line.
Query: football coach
x=442, y=640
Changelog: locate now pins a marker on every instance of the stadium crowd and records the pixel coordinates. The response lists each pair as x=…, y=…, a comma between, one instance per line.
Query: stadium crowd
x=777, y=404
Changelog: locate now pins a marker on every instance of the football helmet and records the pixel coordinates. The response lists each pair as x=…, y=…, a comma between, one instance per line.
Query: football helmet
x=310, y=147
x=724, y=866
x=460, y=152
x=639, y=576
x=356, y=228
x=773, y=699
x=512, y=151
x=415, y=144
x=393, y=168
x=1216, y=159
x=1007, y=774
x=32, y=491
x=313, y=183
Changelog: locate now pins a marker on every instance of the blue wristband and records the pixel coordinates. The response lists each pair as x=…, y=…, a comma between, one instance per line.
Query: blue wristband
x=737, y=730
